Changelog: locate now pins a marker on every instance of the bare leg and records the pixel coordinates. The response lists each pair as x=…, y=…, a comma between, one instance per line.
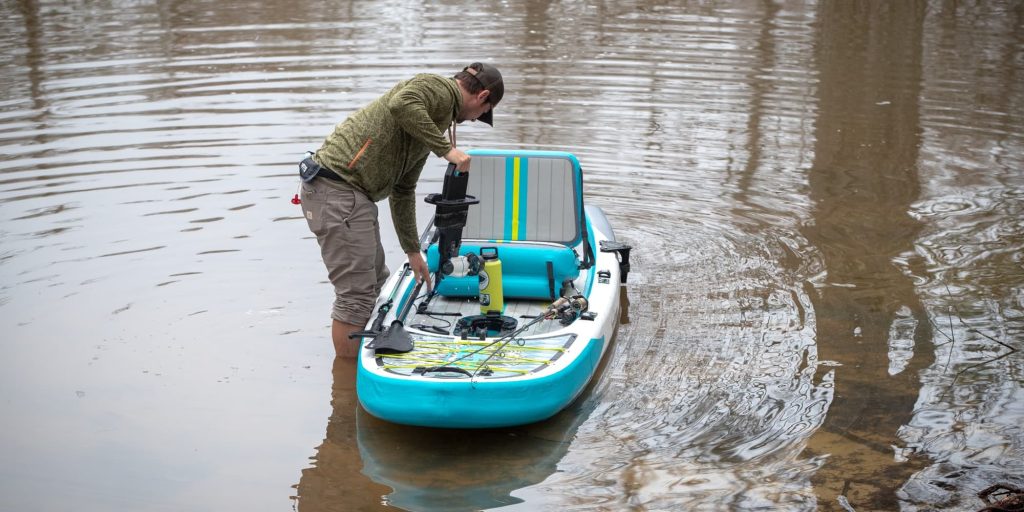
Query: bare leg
x=343, y=346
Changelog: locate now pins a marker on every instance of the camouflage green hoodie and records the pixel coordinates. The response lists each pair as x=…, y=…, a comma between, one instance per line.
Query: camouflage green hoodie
x=381, y=148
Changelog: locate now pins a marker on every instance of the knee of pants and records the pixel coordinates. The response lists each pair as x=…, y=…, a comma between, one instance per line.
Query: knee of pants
x=352, y=311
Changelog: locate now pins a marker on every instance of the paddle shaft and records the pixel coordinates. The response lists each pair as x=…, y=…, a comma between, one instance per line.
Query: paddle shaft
x=400, y=317
x=382, y=311
x=378, y=323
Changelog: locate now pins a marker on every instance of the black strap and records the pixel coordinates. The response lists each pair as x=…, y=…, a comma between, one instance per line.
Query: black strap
x=309, y=169
x=588, y=251
x=551, y=280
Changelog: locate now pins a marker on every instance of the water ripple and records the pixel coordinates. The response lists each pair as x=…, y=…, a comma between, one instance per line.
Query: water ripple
x=148, y=145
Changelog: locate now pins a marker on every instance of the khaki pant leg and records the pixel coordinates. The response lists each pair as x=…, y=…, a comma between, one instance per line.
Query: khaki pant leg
x=345, y=224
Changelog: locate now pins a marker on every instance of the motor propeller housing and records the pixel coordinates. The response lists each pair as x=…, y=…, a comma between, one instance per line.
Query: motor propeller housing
x=462, y=266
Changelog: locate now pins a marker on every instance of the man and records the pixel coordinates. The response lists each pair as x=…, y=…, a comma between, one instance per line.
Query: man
x=378, y=152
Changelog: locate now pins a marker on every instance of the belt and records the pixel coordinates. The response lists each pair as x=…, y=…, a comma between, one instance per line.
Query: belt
x=329, y=174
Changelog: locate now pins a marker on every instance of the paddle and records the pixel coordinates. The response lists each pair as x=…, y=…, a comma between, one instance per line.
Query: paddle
x=395, y=340
x=382, y=311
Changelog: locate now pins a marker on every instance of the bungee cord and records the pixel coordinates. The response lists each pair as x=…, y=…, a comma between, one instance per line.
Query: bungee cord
x=432, y=355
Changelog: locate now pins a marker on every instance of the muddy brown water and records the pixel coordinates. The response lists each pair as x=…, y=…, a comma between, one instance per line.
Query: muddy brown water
x=825, y=200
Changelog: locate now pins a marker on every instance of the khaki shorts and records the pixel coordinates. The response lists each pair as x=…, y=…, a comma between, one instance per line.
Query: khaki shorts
x=344, y=221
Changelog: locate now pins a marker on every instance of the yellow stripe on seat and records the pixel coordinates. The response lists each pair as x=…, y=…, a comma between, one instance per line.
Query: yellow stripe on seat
x=515, y=198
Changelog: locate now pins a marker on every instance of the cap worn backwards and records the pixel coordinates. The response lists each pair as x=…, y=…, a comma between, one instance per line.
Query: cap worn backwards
x=490, y=78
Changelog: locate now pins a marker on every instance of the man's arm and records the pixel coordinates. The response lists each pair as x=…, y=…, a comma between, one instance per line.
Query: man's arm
x=403, y=215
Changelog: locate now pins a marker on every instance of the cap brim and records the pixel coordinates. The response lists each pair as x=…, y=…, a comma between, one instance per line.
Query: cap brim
x=487, y=117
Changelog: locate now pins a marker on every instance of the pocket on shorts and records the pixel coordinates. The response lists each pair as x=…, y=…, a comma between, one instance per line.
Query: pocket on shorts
x=313, y=202
x=355, y=220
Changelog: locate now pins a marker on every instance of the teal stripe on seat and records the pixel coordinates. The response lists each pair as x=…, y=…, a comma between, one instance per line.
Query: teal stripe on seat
x=524, y=198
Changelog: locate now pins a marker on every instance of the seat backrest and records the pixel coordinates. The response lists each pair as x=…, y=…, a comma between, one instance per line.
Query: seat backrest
x=525, y=196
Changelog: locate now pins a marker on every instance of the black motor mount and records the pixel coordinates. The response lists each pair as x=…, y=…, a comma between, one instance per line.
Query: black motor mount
x=452, y=207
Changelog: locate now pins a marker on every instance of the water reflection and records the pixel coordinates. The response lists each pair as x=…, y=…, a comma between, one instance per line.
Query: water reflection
x=364, y=460
x=863, y=181
x=967, y=262
x=335, y=481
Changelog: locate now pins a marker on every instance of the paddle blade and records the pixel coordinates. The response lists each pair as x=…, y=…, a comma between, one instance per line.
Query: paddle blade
x=395, y=340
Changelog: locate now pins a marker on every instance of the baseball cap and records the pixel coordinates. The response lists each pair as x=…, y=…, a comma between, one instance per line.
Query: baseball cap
x=490, y=78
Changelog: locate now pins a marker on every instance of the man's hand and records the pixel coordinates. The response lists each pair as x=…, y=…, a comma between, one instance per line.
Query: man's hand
x=460, y=159
x=419, y=267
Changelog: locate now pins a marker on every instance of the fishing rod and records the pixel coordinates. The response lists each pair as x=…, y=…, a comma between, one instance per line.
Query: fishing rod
x=450, y=365
x=561, y=308
x=558, y=309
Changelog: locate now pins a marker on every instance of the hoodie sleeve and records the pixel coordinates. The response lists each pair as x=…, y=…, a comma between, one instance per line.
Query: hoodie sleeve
x=411, y=108
x=403, y=208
